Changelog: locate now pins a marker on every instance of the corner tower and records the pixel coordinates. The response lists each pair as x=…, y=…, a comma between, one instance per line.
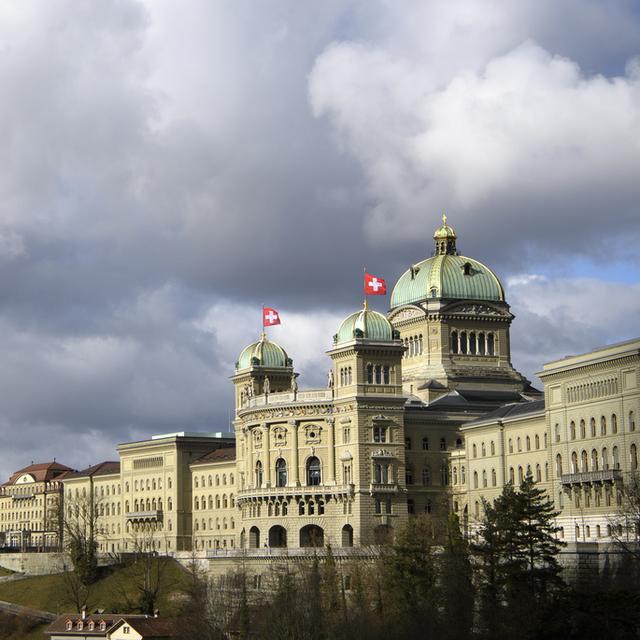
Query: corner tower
x=451, y=313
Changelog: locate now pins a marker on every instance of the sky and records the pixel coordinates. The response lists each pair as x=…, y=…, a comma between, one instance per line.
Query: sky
x=168, y=167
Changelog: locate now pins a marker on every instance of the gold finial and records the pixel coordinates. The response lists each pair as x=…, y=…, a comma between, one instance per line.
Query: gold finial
x=263, y=336
x=366, y=304
x=444, y=218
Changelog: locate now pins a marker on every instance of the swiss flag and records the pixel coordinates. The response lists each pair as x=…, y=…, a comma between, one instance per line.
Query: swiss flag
x=270, y=317
x=374, y=286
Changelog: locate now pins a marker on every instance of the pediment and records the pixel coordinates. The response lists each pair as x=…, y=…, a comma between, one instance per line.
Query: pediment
x=476, y=309
x=406, y=313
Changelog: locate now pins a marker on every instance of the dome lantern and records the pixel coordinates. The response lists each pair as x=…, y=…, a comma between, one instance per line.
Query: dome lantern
x=445, y=238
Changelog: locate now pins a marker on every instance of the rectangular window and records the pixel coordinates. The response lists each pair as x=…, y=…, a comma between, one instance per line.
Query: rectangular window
x=379, y=434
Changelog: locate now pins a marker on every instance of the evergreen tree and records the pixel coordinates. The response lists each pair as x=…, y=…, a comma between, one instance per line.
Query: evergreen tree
x=456, y=583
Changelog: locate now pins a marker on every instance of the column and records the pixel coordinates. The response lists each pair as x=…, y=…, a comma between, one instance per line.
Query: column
x=267, y=456
x=331, y=472
x=294, y=479
x=248, y=468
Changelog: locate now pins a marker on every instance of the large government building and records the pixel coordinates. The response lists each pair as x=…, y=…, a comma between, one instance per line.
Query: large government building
x=423, y=412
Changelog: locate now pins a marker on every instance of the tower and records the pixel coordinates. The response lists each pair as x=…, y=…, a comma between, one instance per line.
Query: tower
x=451, y=313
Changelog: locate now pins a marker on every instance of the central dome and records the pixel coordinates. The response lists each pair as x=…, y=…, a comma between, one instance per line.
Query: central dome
x=447, y=275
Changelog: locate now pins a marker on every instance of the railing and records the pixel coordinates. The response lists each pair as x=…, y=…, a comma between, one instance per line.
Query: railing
x=297, y=552
x=154, y=514
x=284, y=492
x=27, y=496
x=288, y=397
x=590, y=477
x=379, y=487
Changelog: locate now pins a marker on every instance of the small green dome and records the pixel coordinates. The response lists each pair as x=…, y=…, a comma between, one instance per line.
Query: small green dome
x=366, y=324
x=450, y=277
x=263, y=353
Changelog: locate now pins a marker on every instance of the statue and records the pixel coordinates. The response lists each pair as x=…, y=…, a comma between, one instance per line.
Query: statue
x=266, y=386
x=294, y=384
x=330, y=379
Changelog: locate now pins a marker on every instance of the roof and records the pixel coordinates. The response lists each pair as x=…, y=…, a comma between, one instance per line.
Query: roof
x=366, y=324
x=511, y=411
x=59, y=625
x=42, y=472
x=450, y=277
x=224, y=454
x=105, y=468
x=263, y=353
x=150, y=628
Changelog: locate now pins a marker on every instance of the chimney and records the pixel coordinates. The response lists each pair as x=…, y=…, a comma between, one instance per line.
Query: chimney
x=156, y=613
x=84, y=612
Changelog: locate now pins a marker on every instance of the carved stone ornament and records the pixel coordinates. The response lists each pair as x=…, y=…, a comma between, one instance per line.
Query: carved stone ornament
x=345, y=420
x=476, y=310
x=312, y=433
x=380, y=418
x=279, y=436
x=382, y=453
x=408, y=314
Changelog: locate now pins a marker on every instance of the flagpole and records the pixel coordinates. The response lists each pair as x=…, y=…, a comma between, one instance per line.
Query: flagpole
x=365, y=305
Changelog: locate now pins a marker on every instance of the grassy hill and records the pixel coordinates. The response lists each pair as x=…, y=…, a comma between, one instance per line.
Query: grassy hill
x=116, y=591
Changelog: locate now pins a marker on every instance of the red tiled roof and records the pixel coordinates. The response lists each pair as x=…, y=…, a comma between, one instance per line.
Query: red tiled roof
x=59, y=625
x=217, y=455
x=42, y=472
x=150, y=628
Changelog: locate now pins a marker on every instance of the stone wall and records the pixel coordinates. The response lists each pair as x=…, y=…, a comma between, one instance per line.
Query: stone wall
x=35, y=564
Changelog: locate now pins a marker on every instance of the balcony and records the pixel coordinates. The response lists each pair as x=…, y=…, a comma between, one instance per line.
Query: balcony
x=260, y=493
x=379, y=487
x=26, y=496
x=154, y=515
x=288, y=397
x=591, y=477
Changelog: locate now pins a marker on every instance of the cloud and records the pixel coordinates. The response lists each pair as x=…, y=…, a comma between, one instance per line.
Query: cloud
x=166, y=169
x=528, y=144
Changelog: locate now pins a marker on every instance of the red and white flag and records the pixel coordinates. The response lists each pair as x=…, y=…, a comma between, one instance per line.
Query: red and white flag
x=374, y=286
x=270, y=317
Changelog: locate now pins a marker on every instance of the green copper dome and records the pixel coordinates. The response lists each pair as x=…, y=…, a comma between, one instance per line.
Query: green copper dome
x=447, y=275
x=365, y=323
x=263, y=353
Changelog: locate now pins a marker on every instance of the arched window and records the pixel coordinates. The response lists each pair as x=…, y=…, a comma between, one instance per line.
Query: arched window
x=454, y=342
x=494, y=480
x=603, y=426
x=426, y=476
x=369, y=374
x=481, y=345
x=614, y=423
x=572, y=430
x=484, y=478
x=585, y=461
x=605, y=458
x=538, y=473
x=444, y=474
x=472, y=343
x=475, y=451
x=558, y=465
x=281, y=473
x=512, y=475
x=313, y=471
x=528, y=443
x=634, y=457
x=510, y=445
x=425, y=444
x=258, y=474
x=475, y=479
x=491, y=344
x=632, y=421
x=463, y=342
x=520, y=475
x=583, y=431
x=537, y=441
x=594, y=460
x=484, y=450
x=616, y=460
x=493, y=448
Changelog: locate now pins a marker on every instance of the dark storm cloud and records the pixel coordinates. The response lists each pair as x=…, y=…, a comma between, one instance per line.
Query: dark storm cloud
x=166, y=167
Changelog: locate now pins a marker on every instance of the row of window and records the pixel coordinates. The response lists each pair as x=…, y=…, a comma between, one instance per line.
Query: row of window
x=408, y=444
x=521, y=474
x=427, y=479
x=593, y=427
x=378, y=374
x=346, y=376
x=209, y=502
x=413, y=346
x=472, y=343
x=596, y=461
x=313, y=472
x=210, y=480
x=201, y=525
x=527, y=444
x=582, y=497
